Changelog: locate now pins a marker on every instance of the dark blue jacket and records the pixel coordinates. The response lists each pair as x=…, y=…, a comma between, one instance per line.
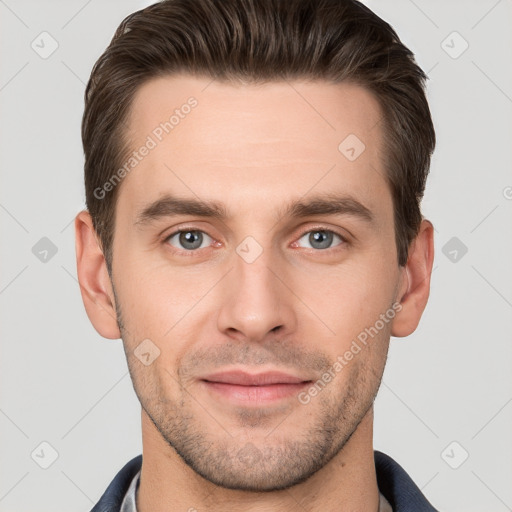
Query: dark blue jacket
x=394, y=483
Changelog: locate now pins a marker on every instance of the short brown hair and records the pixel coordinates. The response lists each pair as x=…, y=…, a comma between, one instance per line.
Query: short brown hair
x=253, y=41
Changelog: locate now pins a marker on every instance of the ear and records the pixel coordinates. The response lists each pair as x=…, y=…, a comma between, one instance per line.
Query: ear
x=95, y=285
x=414, y=287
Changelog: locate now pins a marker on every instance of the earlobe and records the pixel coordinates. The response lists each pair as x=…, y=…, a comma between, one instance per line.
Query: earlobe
x=415, y=286
x=94, y=280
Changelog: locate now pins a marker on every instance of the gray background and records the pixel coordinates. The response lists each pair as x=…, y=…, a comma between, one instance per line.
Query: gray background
x=446, y=392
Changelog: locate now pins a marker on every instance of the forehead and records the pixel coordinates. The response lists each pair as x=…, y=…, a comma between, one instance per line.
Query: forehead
x=274, y=109
x=253, y=142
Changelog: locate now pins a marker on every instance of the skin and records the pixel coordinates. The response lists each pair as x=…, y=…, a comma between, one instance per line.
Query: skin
x=295, y=308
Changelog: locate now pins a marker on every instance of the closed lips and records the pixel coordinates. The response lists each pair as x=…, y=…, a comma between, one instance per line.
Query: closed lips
x=246, y=379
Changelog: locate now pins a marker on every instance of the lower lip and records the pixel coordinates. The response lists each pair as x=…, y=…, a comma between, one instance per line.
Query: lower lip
x=268, y=393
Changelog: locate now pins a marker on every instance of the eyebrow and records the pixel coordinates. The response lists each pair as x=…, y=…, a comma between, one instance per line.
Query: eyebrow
x=329, y=204
x=324, y=204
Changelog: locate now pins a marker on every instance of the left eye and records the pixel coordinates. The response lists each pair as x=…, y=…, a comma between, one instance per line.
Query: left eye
x=320, y=239
x=189, y=239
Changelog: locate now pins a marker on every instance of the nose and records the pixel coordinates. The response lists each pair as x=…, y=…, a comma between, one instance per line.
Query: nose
x=256, y=301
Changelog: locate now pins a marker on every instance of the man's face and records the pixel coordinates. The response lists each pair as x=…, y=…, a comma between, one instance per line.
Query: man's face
x=264, y=288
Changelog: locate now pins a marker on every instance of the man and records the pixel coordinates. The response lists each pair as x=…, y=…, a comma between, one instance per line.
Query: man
x=253, y=172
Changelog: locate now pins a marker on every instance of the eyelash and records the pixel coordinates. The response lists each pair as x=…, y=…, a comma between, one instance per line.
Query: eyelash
x=344, y=241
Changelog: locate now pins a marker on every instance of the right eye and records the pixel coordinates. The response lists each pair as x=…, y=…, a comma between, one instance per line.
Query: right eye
x=188, y=239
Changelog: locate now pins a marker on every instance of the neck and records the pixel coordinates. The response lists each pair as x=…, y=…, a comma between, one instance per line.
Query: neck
x=347, y=482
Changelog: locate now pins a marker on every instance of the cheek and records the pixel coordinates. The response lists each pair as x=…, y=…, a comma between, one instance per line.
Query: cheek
x=162, y=303
x=348, y=298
